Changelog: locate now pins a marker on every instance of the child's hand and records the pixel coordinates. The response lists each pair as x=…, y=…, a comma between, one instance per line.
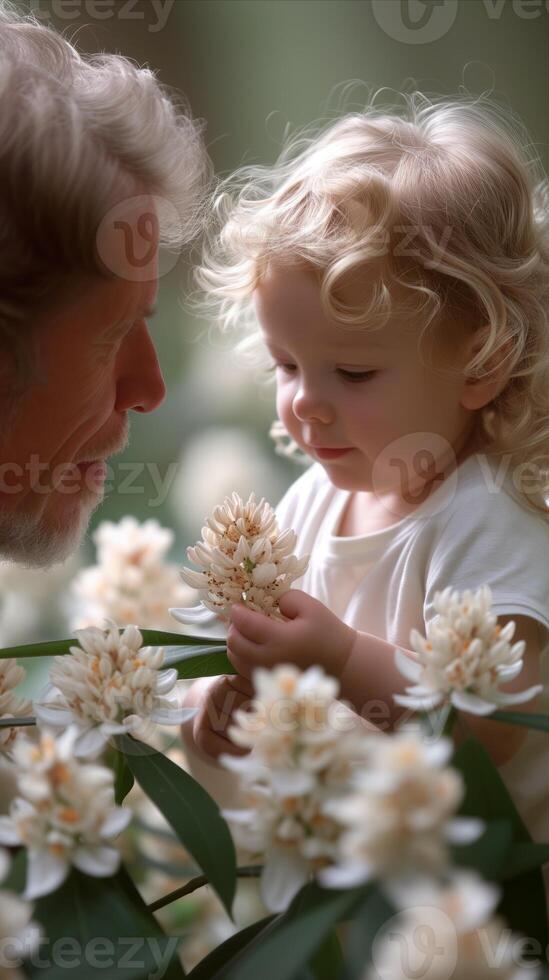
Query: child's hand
x=217, y=698
x=311, y=635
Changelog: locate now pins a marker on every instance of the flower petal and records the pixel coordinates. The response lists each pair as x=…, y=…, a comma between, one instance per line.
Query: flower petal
x=49, y=714
x=345, y=875
x=411, y=670
x=166, y=680
x=463, y=830
x=45, y=873
x=472, y=703
x=90, y=743
x=117, y=821
x=284, y=873
x=519, y=697
x=8, y=832
x=96, y=860
x=173, y=716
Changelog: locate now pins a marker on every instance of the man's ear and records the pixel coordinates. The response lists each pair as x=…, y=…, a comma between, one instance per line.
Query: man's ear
x=478, y=392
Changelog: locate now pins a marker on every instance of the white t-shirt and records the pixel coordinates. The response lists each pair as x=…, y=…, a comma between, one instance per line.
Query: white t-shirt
x=472, y=530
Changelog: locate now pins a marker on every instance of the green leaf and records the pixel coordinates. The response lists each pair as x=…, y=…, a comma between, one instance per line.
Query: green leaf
x=523, y=857
x=123, y=776
x=221, y=955
x=159, y=638
x=371, y=915
x=295, y=936
x=540, y=722
x=98, y=927
x=205, y=665
x=189, y=810
x=488, y=854
x=327, y=962
x=523, y=903
x=123, y=781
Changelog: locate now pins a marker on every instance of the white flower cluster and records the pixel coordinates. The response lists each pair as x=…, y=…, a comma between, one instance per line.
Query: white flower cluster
x=64, y=814
x=11, y=706
x=332, y=799
x=448, y=931
x=132, y=581
x=244, y=558
x=304, y=744
x=19, y=936
x=397, y=817
x=464, y=658
x=110, y=684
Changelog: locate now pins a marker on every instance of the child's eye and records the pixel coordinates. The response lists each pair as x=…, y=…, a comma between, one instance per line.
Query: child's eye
x=355, y=376
x=289, y=368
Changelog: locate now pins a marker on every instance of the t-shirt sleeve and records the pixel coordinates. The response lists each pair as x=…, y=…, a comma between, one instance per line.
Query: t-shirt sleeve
x=493, y=541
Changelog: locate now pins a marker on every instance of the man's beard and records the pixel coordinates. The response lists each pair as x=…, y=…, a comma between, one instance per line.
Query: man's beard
x=36, y=542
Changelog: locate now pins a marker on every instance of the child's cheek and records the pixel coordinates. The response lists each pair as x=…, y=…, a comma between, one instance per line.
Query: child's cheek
x=284, y=408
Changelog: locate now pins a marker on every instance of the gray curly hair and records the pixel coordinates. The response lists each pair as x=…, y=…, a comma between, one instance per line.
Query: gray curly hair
x=76, y=130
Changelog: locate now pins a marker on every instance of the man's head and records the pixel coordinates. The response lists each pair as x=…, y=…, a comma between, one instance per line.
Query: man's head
x=98, y=168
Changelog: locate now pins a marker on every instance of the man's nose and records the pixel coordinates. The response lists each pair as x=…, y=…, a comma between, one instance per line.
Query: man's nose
x=140, y=385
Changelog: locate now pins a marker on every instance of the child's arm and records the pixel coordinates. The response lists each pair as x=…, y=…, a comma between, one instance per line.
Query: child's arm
x=503, y=741
x=364, y=665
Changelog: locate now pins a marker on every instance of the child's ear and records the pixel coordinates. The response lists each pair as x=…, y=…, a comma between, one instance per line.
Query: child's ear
x=478, y=392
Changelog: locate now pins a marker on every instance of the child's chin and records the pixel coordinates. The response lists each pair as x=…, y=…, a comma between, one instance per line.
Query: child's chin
x=344, y=480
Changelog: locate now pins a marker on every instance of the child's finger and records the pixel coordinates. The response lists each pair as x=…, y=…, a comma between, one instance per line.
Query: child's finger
x=242, y=646
x=253, y=625
x=213, y=744
x=226, y=703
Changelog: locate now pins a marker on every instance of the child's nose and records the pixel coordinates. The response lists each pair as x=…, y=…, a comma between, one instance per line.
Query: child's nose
x=309, y=405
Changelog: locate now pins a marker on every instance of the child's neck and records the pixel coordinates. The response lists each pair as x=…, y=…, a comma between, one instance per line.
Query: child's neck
x=368, y=511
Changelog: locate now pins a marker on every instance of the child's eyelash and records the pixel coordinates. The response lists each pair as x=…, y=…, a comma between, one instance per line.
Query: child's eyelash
x=355, y=375
x=352, y=376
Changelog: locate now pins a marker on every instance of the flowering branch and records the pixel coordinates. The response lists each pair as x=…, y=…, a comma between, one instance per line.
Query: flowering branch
x=248, y=871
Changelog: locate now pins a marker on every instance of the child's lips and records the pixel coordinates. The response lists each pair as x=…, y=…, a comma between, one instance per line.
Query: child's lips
x=325, y=453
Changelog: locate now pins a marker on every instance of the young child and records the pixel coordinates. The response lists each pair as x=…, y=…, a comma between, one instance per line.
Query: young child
x=395, y=268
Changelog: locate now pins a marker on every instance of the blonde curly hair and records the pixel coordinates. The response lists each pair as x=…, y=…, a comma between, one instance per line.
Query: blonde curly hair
x=459, y=172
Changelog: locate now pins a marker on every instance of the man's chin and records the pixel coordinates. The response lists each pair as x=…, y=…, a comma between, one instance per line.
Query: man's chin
x=38, y=542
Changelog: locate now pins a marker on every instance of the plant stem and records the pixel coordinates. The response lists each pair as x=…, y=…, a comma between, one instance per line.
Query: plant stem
x=17, y=722
x=451, y=719
x=250, y=871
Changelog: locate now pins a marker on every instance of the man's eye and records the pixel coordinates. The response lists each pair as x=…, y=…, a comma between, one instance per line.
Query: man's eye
x=356, y=376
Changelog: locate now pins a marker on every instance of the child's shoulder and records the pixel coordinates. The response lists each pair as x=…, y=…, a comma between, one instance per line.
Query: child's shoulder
x=485, y=501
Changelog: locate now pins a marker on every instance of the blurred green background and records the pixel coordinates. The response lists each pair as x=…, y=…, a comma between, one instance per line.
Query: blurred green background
x=251, y=68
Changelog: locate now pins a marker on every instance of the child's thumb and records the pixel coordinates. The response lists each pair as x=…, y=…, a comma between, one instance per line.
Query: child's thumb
x=292, y=603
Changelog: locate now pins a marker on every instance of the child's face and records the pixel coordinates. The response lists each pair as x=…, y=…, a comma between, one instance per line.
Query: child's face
x=367, y=394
